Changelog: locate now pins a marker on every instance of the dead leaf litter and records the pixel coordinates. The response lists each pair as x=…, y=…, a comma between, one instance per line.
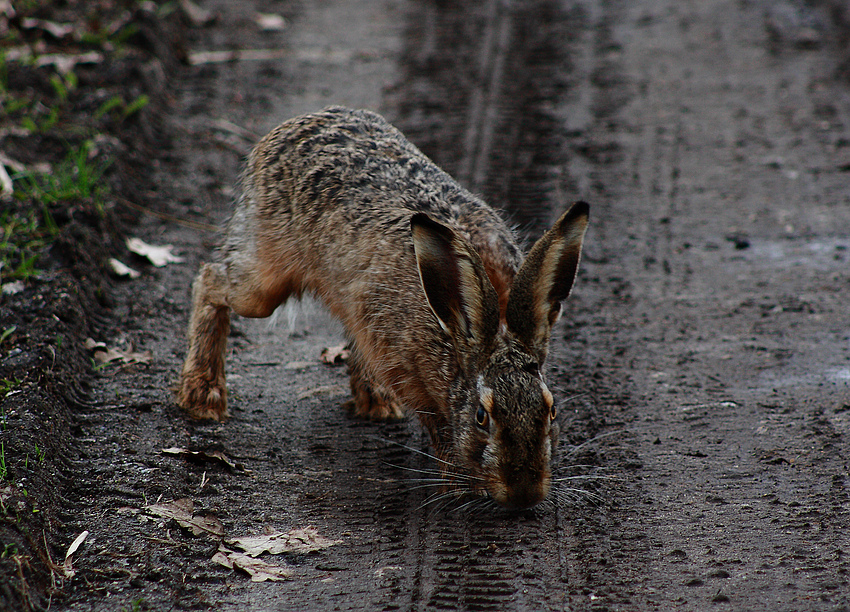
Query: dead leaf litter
x=301, y=540
x=159, y=256
x=206, y=456
x=182, y=512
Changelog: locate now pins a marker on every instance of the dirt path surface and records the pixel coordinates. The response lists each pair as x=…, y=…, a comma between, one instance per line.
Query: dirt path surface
x=703, y=359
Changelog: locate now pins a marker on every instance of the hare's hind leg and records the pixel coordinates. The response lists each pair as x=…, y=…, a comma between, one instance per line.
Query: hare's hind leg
x=251, y=290
x=203, y=391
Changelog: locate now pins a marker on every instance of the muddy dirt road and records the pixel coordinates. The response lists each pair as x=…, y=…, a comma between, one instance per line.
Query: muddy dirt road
x=703, y=359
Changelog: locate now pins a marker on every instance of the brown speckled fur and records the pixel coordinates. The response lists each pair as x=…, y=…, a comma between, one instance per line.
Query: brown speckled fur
x=428, y=281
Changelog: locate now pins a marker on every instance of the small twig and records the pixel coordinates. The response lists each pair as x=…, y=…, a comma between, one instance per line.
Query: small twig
x=26, y=599
x=197, y=58
x=204, y=227
x=204, y=481
x=228, y=126
x=54, y=569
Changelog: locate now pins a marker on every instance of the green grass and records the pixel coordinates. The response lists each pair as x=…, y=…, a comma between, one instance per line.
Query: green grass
x=7, y=386
x=22, y=237
x=76, y=177
x=116, y=105
x=137, y=605
x=9, y=550
x=4, y=470
x=25, y=233
x=4, y=335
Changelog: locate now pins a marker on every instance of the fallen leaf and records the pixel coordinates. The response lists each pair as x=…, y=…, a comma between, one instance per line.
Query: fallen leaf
x=196, y=58
x=299, y=365
x=66, y=63
x=121, y=269
x=181, y=510
x=6, y=188
x=211, y=456
x=157, y=255
x=322, y=389
x=93, y=345
x=12, y=288
x=302, y=540
x=57, y=30
x=259, y=570
x=222, y=557
x=104, y=354
x=197, y=15
x=335, y=355
x=270, y=22
x=67, y=569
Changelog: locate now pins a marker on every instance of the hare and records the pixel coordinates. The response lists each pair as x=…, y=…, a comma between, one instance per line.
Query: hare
x=444, y=317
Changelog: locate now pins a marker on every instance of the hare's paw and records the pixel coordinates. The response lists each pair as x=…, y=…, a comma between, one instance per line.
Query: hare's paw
x=372, y=403
x=203, y=399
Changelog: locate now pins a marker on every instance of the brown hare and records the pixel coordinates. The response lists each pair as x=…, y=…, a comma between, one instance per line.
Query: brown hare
x=444, y=317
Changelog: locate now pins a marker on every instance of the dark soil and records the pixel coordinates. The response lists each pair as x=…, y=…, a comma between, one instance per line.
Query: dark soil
x=703, y=359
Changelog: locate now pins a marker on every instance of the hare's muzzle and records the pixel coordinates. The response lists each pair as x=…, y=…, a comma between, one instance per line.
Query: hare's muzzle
x=520, y=492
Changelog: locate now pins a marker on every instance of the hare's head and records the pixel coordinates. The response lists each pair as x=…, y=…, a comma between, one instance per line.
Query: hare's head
x=501, y=428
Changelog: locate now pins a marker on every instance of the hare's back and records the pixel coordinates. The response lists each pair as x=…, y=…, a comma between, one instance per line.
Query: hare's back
x=355, y=161
x=316, y=155
x=351, y=174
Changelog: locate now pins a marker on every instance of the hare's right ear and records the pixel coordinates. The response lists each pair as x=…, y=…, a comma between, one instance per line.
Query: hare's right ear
x=545, y=279
x=457, y=287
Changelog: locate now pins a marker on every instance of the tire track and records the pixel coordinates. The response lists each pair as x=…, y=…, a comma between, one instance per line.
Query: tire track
x=487, y=111
x=480, y=94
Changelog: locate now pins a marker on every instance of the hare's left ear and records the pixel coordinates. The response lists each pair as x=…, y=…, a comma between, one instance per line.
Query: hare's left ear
x=456, y=286
x=545, y=279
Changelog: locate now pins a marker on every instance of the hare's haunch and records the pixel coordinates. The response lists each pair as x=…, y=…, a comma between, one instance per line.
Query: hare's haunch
x=444, y=316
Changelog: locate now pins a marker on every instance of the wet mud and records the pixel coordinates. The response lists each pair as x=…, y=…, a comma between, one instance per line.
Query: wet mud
x=702, y=362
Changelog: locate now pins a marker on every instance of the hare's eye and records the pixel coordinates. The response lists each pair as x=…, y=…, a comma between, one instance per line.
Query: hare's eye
x=554, y=412
x=482, y=419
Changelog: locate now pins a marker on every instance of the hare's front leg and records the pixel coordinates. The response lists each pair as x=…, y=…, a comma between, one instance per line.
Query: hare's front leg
x=203, y=391
x=370, y=401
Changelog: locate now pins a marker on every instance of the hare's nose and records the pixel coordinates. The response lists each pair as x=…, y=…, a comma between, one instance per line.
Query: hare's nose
x=522, y=491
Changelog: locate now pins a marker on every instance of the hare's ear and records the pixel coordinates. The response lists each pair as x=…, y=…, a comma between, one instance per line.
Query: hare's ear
x=457, y=287
x=544, y=280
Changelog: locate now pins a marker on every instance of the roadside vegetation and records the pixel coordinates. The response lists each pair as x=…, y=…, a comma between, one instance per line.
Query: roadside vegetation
x=77, y=118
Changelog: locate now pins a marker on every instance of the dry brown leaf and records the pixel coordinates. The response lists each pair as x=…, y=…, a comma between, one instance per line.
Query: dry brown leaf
x=64, y=63
x=157, y=255
x=6, y=188
x=211, y=456
x=197, y=15
x=57, y=30
x=259, y=570
x=121, y=269
x=12, y=288
x=196, y=58
x=103, y=354
x=181, y=510
x=67, y=569
x=335, y=355
x=299, y=365
x=270, y=22
x=322, y=390
x=92, y=345
x=302, y=540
